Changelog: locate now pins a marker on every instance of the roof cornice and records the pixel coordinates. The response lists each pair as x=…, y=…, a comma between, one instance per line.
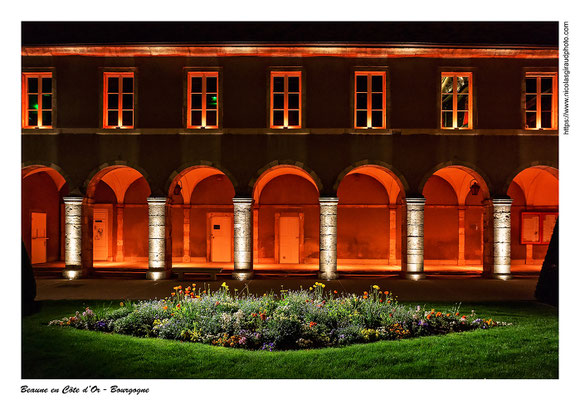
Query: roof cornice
x=294, y=50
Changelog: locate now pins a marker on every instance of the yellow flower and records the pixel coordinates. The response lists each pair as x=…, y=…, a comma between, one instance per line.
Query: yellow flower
x=376, y=287
x=121, y=304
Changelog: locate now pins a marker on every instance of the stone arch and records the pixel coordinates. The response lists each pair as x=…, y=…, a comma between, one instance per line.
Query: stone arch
x=185, y=168
x=31, y=167
x=471, y=169
x=117, y=196
x=453, y=217
x=97, y=174
x=548, y=166
x=535, y=194
x=43, y=187
x=275, y=169
x=286, y=214
x=379, y=165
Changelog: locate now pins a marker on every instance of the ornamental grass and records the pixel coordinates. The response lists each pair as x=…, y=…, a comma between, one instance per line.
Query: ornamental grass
x=290, y=319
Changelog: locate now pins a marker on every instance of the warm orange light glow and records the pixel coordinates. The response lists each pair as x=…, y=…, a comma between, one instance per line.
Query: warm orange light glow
x=202, y=99
x=37, y=100
x=285, y=99
x=453, y=219
x=361, y=51
x=541, y=100
x=118, y=195
x=456, y=91
x=275, y=172
x=118, y=100
x=370, y=99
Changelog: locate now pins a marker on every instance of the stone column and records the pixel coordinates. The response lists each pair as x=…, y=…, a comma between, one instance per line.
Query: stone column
x=73, y=257
x=415, y=218
x=120, y=254
x=159, y=262
x=243, y=243
x=327, y=258
x=461, y=251
x=186, y=213
x=392, y=234
x=502, y=238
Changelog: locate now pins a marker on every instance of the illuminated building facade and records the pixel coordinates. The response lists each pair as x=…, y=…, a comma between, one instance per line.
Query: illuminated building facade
x=299, y=155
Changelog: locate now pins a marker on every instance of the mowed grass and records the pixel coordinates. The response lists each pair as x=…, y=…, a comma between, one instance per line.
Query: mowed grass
x=527, y=349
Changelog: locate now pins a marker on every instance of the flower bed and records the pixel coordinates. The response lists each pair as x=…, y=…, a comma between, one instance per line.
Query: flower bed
x=291, y=320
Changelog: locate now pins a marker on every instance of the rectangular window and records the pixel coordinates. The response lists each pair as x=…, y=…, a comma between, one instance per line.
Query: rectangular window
x=37, y=97
x=202, y=100
x=537, y=227
x=456, y=100
x=541, y=102
x=369, y=100
x=118, y=100
x=285, y=99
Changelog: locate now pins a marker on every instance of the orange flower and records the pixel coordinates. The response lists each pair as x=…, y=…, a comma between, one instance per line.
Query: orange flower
x=447, y=314
x=456, y=313
x=428, y=316
x=312, y=324
x=387, y=292
x=365, y=297
x=365, y=293
x=178, y=305
x=173, y=294
x=165, y=308
x=381, y=300
x=438, y=314
x=335, y=292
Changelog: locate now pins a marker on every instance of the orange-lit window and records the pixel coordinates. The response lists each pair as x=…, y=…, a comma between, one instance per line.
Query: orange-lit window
x=202, y=100
x=37, y=97
x=285, y=99
x=537, y=227
x=541, y=101
x=118, y=100
x=456, y=100
x=369, y=106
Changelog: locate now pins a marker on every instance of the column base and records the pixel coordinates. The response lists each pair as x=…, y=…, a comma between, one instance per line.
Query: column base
x=155, y=275
x=243, y=275
x=503, y=277
x=72, y=273
x=327, y=275
x=491, y=275
x=413, y=276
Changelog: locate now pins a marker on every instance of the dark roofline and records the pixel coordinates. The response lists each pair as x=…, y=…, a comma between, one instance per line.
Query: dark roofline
x=419, y=34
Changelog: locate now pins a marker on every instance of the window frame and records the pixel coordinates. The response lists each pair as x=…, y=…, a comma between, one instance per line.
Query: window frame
x=541, y=215
x=369, y=109
x=24, y=99
x=286, y=74
x=105, y=99
x=554, y=117
x=205, y=73
x=470, y=108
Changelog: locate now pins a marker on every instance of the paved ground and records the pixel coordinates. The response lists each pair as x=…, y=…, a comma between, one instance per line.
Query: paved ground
x=438, y=288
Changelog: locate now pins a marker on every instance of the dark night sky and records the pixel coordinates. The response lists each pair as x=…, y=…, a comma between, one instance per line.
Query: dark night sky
x=461, y=33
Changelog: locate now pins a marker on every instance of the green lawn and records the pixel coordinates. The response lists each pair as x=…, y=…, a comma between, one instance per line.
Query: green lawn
x=528, y=349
